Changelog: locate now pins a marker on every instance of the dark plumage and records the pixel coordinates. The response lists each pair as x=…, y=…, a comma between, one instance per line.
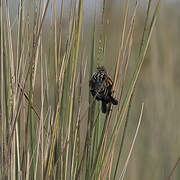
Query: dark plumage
x=101, y=87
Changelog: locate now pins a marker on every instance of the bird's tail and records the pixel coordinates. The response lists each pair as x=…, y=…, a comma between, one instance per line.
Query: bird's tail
x=104, y=107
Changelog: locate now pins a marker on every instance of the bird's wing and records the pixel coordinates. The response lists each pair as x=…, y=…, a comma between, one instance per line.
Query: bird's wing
x=109, y=81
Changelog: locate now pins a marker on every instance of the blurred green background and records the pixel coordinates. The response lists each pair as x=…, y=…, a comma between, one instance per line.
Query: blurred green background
x=157, y=147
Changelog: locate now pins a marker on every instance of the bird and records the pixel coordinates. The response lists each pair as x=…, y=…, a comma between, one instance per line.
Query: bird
x=100, y=86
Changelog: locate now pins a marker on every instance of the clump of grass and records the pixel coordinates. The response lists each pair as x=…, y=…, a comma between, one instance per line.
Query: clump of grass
x=45, y=140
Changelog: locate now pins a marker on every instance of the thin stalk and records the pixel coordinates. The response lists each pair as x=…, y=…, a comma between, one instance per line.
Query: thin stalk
x=61, y=81
x=132, y=145
x=121, y=45
x=123, y=137
x=74, y=70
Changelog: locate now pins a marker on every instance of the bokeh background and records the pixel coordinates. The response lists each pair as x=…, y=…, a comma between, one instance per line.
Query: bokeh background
x=158, y=146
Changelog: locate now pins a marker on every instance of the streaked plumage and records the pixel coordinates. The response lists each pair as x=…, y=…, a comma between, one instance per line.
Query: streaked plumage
x=101, y=87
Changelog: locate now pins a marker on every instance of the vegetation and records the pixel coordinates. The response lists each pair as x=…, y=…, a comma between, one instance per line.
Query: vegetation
x=51, y=126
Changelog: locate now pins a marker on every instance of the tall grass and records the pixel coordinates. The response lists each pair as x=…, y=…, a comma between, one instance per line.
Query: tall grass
x=47, y=129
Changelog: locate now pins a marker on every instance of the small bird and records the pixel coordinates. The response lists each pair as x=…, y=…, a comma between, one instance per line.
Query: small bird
x=100, y=86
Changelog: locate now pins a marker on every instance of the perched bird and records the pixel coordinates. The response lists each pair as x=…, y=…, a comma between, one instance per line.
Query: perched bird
x=100, y=86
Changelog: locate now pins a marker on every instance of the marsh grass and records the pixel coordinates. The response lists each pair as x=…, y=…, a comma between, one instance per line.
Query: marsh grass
x=47, y=138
